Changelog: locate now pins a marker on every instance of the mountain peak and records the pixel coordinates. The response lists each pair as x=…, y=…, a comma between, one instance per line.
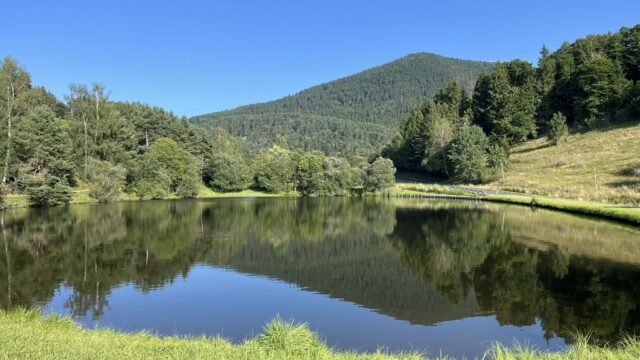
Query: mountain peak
x=355, y=113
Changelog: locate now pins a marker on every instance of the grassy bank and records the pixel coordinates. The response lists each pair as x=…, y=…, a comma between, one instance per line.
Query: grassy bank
x=26, y=334
x=29, y=335
x=81, y=196
x=600, y=166
x=608, y=211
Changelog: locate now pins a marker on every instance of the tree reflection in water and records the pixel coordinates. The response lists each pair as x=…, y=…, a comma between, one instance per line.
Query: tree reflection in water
x=420, y=261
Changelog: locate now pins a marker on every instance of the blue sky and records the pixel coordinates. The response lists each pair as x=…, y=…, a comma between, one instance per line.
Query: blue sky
x=194, y=57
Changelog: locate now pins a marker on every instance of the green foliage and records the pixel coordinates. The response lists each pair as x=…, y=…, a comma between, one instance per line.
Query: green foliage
x=601, y=87
x=507, y=101
x=468, y=154
x=286, y=337
x=98, y=129
x=380, y=175
x=337, y=176
x=498, y=158
x=353, y=115
x=225, y=172
x=592, y=82
x=558, y=129
x=152, y=183
x=421, y=140
x=275, y=169
x=310, y=173
x=166, y=162
x=44, y=145
x=48, y=190
x=106, y=180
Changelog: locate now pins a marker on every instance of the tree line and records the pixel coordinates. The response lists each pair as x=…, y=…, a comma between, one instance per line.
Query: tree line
x=352, y=115
x=582, y=86
x=89, y=141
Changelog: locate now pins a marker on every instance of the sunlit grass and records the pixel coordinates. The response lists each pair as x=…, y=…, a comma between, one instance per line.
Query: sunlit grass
x=601, y=166
x=428, y=189
x=615, y=212
x=26, y=334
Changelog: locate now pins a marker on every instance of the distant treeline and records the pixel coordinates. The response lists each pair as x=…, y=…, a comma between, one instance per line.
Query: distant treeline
x=47, y=147
x=352, y=115
x=585, y=85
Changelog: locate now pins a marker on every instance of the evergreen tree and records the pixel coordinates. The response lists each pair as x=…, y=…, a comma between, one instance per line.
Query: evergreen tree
x=558, y=129
x=468, y=154
x=601, y=87
x=45, y=146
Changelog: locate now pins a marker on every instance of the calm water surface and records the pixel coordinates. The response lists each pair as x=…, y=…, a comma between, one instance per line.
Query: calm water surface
x=364, y=273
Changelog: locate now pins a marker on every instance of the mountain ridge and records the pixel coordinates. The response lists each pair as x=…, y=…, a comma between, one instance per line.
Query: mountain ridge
x=353, y=114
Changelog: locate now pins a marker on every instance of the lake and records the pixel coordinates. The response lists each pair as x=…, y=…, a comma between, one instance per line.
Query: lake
x=399, y=274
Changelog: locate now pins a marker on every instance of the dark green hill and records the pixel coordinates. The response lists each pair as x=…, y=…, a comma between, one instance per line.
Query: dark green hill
x=353, y=114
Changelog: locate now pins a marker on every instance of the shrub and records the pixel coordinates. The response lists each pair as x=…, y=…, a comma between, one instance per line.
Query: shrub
x=310, y=173
x=166, y=159
x=468, y=153
x=106, y=180
x=558, y=129
x=224, y=172
x=380, y=175
x=157, y=185
x=48, y=191
x=275, y=170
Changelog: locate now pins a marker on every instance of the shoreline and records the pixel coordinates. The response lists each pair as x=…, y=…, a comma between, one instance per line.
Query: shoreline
x=31, y=334
x=625, y=214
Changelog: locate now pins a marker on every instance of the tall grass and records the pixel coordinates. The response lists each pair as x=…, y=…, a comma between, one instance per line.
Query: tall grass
x=26, y=334
x=596, y=166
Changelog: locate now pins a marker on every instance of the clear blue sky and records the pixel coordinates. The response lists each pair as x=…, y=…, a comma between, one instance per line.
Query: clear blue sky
x=194, y=57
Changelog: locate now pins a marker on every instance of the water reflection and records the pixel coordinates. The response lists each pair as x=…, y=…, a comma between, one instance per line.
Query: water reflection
x=423, y=262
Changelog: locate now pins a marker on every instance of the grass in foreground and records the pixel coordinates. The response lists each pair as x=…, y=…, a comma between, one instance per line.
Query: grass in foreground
x=597, y=166
x=26, y=334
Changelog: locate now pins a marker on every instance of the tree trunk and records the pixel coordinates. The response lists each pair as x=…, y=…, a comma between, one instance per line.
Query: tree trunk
x=11, y=94
x=146, y=138
x=86, y=150
x=7, y=156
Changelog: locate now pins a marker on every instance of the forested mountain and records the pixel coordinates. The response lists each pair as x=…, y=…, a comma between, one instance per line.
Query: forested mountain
x=354, y=114
x=589, y=84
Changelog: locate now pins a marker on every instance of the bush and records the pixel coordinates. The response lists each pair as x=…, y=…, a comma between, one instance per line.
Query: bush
x=558, y=129
x=106, y=180
x=380, y=175
x=468, y=153
x=498, y=159
x=165, y=159
x=224, y=172
x=310, y=173
x=276, y=170
x=49, y=192
x=157, y=185
x=187, y=186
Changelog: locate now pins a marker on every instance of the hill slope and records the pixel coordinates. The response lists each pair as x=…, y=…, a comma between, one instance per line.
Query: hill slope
x=355, y=114
x=567, y=170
